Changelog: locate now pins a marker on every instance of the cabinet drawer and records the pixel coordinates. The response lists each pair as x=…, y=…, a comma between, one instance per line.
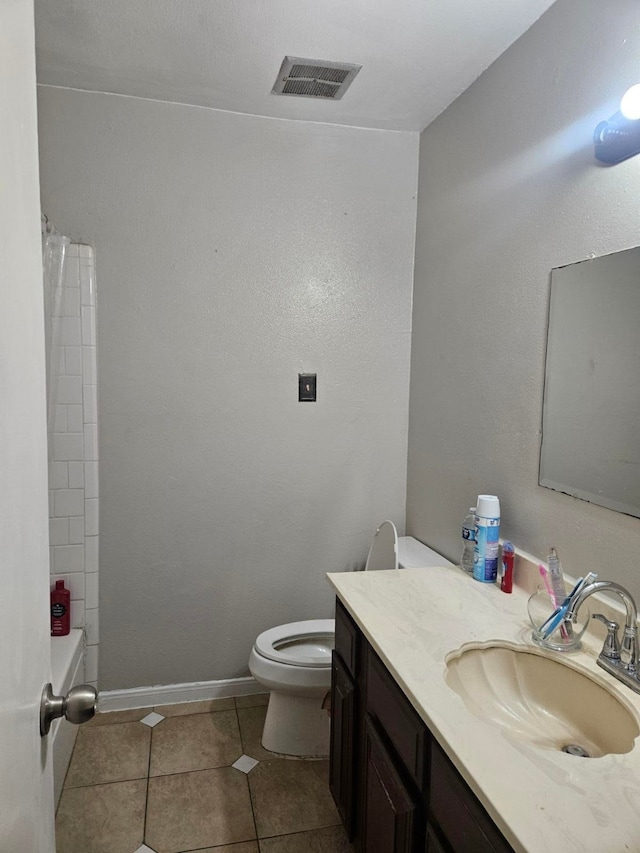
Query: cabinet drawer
x=405, y=730
x=455, y=808
x=347, y=639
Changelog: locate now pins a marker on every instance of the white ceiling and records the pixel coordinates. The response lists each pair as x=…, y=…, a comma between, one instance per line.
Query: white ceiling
x=417, y=56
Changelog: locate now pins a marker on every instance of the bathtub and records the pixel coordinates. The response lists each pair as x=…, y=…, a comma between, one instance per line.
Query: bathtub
x=67, y=669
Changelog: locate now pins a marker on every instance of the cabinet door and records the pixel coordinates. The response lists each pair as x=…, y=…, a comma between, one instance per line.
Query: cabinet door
x=343, y=759
x=391, y=818
x=433, y=843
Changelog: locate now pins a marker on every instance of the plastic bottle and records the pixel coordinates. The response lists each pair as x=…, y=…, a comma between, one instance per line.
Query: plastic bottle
x=60, y=607
x=468, y=541
x=485, y=560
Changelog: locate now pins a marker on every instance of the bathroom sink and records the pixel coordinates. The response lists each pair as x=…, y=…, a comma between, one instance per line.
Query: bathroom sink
x=541, y=700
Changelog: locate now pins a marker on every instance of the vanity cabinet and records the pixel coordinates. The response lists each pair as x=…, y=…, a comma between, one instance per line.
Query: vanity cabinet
x=395, y=789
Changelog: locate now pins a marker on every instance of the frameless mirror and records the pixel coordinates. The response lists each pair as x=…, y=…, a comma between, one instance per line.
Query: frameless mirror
x=591, y=412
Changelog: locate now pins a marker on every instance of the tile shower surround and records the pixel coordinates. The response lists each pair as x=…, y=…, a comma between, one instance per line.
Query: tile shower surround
x=73, y=472
x=193, y=777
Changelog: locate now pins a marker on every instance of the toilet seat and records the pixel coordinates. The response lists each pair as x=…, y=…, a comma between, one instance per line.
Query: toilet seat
x=306, y=643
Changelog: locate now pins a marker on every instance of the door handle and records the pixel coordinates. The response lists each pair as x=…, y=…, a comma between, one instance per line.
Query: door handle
x=78, y=706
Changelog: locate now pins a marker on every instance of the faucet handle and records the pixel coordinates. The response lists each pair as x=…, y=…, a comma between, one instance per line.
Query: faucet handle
x=611, y=648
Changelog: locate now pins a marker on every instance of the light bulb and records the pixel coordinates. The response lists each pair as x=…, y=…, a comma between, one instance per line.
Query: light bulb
x=630, y=103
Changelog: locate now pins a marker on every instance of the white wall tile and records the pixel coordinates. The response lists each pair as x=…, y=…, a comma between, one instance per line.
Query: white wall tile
x=51, y=494
x=91, y=546
x=91, y=623
x=71, y=333
x=75, y=421
x=68, y=447
x=73, y=361
x=87, y=292
x=88, y=326
x=77, y=613
x=91, y=589
x=76, y=475
x=68, y=502
x=76, y=530
x=68, y=558
x=90, y=403
x=74, y=582
x=91, y=517
x=60, y=419
x=71, y=301
x=90, y=442
x=58, y=531
x=91, y=479
x=89, y=372
x=91, y=663
x=69, y=390
x=58, y=475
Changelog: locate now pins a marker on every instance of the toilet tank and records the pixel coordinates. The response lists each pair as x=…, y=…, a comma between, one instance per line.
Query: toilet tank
x=413, y=554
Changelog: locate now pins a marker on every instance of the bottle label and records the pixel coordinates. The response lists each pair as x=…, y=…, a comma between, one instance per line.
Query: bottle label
x=469, y=533
x=485, y=558
x=58, y=610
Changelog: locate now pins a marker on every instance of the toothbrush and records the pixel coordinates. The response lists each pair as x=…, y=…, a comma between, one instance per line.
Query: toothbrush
x=544, y=574
x=557, y=580
x=558, y=615
x=560, y=610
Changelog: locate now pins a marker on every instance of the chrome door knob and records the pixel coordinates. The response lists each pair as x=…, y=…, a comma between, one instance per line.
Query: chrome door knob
x=78, y=706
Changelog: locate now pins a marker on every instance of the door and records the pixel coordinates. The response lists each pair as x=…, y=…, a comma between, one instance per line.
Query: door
x=26, y=786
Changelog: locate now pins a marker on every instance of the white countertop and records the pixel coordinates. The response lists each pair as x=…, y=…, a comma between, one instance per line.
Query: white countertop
x=543, y=801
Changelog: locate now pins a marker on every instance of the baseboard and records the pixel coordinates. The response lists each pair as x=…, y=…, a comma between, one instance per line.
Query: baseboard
x=170, y=694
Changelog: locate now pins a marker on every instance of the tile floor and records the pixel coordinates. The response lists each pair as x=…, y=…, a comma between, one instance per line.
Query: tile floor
x=192, y=777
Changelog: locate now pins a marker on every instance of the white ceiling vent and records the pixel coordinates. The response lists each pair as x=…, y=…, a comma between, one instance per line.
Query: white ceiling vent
x=310, y=78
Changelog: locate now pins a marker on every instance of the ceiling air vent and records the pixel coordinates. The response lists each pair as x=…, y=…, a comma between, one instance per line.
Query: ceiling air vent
x=310, y=78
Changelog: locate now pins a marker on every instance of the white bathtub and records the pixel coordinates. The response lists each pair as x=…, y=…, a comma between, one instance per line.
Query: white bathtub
x=67, y=669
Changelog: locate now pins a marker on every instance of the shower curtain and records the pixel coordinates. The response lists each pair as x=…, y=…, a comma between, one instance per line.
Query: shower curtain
x=54, y=250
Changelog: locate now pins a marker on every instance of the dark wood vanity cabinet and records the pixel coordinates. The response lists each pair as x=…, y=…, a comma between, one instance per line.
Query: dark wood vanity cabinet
x=395, y=789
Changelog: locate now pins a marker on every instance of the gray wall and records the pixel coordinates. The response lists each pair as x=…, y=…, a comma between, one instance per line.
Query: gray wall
x=508, y=190
x=233, y=252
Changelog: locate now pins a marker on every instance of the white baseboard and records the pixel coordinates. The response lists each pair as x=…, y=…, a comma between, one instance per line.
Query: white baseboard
x=170, y=694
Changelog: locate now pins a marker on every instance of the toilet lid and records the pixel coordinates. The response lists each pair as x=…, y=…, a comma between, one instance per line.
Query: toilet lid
x=383, y=553
x=299, y=643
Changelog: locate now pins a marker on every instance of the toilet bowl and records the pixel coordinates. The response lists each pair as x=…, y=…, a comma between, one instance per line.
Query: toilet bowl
x=293, y=661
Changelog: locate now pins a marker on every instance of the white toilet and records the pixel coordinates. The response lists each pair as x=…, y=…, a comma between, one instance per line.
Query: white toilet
x=293, y=661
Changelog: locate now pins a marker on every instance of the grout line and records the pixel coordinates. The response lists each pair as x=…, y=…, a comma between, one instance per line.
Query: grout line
x=146, y=799
x=246, y=776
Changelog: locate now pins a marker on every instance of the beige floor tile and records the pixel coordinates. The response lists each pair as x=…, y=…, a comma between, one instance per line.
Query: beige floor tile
x=193, y=811
x=106, y=718
x=251, y=724
x=331, y=839
x=109, y=754
x=244, y=847
x=195, y=742
x=186, y=708
x=252, y=701
x=291, y=796
x=101, y=818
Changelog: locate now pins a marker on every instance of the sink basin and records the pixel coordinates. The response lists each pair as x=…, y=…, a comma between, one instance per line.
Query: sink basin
x=540, y=700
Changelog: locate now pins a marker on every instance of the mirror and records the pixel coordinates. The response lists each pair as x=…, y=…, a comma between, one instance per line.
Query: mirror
x=591, y=412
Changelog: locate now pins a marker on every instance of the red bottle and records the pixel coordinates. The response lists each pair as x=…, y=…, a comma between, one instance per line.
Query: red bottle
x=60, y=610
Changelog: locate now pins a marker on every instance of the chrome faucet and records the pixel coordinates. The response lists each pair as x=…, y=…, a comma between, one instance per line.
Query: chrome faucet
x=620, y=660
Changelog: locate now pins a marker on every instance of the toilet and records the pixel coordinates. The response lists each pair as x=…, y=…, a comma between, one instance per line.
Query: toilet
x=293, y=661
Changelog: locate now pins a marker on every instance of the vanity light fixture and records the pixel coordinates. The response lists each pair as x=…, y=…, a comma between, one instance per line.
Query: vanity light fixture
x=618, y=138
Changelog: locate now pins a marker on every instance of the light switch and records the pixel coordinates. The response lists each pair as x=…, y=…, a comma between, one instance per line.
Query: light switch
x=306, y=387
